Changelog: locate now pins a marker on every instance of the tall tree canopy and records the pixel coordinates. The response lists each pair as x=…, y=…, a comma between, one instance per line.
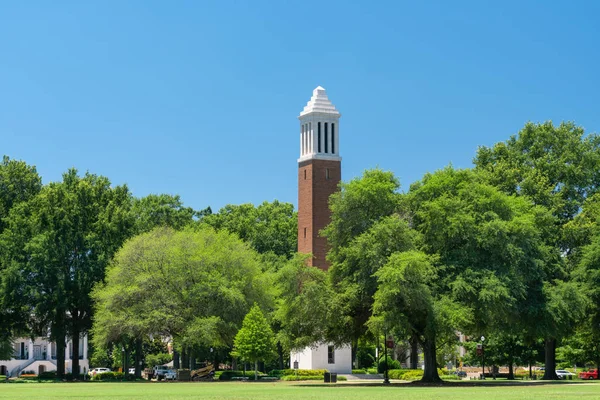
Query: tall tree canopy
x=56, y=247
x=19, y=183
x=160, y=210
x=195, y=285
x=269, y=228
x=557, y=167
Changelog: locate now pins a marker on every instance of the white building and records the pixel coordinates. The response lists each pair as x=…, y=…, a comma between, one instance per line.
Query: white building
x=324, y=356
x=39, y=356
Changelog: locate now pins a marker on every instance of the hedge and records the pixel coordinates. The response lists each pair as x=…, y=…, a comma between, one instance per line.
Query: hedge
x=308, y=378
x=301, y=372
x=109, y=376
x=372, y=371
x=359, y=371
x=406, y=374
x=227, y=375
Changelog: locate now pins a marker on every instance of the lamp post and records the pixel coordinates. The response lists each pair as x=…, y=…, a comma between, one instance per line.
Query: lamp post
x=482, y=358
x=386, y=377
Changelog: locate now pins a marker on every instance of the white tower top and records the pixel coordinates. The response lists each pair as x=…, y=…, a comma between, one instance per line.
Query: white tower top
x=319, y=128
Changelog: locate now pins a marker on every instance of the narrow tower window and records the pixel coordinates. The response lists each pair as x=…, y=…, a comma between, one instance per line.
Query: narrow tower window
x=330, y=355
x=326, y=137
x=304, y=233
x=327, y=173
x=319, y=136
x=332, y=138
x=304, y=174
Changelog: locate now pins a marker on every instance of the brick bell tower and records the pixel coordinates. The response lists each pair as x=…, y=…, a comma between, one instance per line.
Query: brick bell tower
x=319, y=173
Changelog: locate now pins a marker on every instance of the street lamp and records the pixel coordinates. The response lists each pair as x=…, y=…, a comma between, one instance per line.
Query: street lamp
x=482, y=358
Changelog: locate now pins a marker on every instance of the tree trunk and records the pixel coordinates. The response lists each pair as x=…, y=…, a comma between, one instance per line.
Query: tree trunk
x=354, y=353
x=255, y=370
x=184, y=358
x=126, y=362
x=429, y=351
x=280, y=352
x=138, y=358
x=414, y=352
x=75, y=353
x=176, y=359
x=530, y=375
x=60, y=353
x=511, y=374
x=550, y=360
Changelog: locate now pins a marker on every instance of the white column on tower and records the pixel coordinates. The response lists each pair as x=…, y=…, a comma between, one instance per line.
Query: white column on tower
x=337, y=137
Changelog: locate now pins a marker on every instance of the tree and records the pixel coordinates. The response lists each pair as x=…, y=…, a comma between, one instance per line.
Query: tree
x=254, y=341
x=269, y=228
x=194, y=285
x=478, y=256
x=57, y=246
x=161, y=210
x=557, y=168
x=364, y=231
x=19, y=183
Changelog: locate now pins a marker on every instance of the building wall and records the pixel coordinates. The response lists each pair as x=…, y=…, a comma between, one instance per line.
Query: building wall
x=317, y=181
x=317, y=358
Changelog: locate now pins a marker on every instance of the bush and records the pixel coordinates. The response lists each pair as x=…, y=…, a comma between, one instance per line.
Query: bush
x=450, y=377
x=2, y=378
x=303, y=372
x=69, y=377
x=28, y=372
x=109, y=376
x=227, y=375
x=372, y=371
x=406, y=374
x=48, y=375
x=308, y=378
x=359, y=371
x=392, y=364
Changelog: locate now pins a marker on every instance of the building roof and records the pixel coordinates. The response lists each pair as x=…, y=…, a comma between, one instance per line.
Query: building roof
x=319, y=103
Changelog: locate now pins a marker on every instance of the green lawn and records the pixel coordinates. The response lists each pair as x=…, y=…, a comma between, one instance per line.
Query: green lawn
x=280, y=390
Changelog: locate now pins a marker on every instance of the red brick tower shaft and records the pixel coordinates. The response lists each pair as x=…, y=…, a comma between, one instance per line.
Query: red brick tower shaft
x=319, y=173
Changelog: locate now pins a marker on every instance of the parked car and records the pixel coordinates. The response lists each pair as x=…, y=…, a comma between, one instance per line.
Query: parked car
x=96, y=371
x=160, y=371
x=171, y=375
x=591, y=374
x=564, y=374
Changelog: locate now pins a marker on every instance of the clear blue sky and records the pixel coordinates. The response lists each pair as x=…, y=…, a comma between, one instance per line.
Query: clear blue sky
x=201, y=98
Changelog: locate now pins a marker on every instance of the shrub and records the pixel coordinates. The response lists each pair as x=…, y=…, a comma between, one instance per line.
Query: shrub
x=359, y=371
x=227, y=375
x=2, y=378
x=28, y=372
x=304, y=372
x=450, y=377
x=372, y=371
x=406, y=374
x=392, y=364
x=48, y=375
x=109, y=376
x=69, y=377
x=308, y=378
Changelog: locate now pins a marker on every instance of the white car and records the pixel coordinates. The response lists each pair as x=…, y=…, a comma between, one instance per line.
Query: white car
x=564, y=374
x=97, y=371
x=171, y=375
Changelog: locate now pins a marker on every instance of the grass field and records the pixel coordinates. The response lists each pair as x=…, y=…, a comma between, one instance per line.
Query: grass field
x=281, y=390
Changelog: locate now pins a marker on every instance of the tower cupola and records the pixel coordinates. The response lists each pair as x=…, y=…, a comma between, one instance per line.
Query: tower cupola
x=319, y=128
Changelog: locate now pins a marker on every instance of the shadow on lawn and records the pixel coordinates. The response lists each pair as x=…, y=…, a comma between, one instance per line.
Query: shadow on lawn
x=487, y=383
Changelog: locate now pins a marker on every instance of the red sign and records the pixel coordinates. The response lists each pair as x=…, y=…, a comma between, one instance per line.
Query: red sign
x=389, y=342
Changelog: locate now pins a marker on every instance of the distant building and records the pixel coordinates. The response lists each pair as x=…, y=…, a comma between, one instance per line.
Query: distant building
x=319, y=173
x=39, y=356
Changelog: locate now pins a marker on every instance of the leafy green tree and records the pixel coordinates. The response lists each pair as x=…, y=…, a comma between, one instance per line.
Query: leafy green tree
x=56, y=247
x=478, y=257
x=154, y=211
x=364, y=231
x=255, y=340
x=19, y=183
x=269, y=228
x=557, y=168
x=194, y=285
x=303, y=304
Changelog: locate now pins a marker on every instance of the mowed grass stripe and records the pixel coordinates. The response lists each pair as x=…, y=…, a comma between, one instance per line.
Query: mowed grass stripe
x=279, y=390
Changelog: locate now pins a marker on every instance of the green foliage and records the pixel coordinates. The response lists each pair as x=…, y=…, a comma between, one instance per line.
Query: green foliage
x=255, y=340
x=269, y=228
x=158, y=359
x=109, y=376
x=195, y=285
x=406, y=374
x=391, y=364
x=359, y=371
x=304, y=299
x=227, y=375
x=163, y=210
x=288, y=378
